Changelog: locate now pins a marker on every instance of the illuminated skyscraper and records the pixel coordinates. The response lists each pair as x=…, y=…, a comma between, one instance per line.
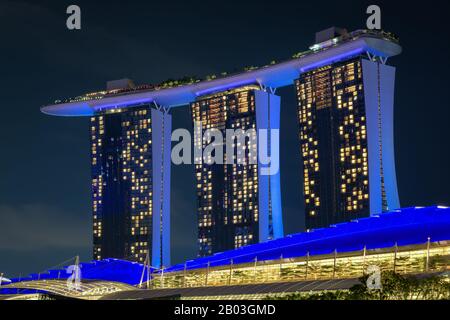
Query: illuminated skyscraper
x=130, y=184
x=345, y=111
x=237, y=204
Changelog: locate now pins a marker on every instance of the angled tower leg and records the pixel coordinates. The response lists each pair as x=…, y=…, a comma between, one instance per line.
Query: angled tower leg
x=270, y=214
x=387, y=85
x=379, y=99
x=371, y=98
x=161, y=142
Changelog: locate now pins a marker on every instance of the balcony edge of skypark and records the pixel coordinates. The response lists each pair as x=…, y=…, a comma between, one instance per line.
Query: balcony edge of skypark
x=273, y=76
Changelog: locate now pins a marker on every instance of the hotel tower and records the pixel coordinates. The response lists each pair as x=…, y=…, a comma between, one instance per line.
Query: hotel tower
x=237, y=204
x=345, y=112
x=131, y=184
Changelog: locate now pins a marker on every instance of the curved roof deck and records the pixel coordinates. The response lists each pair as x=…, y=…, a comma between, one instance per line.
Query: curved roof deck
x=87, y=289
x=409, y=226
x=274, y=76
x=404, y=227
x=100, y=270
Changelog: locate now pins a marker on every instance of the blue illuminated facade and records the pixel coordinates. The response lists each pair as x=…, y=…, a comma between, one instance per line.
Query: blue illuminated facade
x=409, y=226
x=268, y=118
x=379, y=83
x=238, y=203
x=131, y=160
x=404, y=227
x=106, y=270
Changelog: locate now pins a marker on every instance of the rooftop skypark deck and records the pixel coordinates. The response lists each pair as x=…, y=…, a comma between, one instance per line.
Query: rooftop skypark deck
x=175, y=93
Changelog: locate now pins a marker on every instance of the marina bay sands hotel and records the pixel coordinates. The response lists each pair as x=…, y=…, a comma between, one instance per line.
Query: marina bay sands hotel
x=345, y=96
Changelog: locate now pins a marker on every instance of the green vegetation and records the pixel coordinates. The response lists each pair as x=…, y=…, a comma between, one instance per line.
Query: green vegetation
x=178, y=82
x=393, y=287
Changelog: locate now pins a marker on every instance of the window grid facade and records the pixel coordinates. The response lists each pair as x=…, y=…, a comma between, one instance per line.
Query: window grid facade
x=122, y=183
x=227, y=194
x=403, y=260
x=333, y=135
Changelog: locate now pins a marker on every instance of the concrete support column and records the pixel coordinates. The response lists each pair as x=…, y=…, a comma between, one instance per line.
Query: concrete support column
x=268, y=118
x=379, y=101
x=161, y=163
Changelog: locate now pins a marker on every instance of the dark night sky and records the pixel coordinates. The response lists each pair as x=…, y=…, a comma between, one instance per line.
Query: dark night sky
x=45, y=214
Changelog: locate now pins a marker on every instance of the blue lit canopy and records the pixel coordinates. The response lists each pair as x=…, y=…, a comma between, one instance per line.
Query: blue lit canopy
x=107, y=269
x=405, y=227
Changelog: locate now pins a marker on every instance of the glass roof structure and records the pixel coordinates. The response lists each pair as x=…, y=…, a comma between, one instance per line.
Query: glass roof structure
x=105, y=270
x=407, y=226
